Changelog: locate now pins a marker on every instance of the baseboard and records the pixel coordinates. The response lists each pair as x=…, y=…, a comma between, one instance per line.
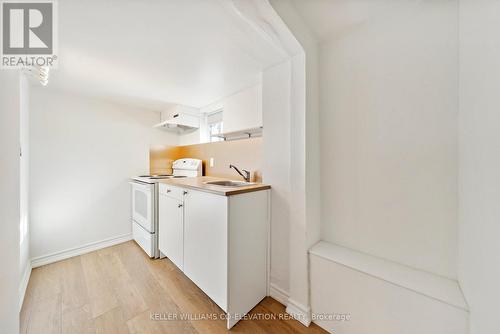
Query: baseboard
x=278, y=293
x=87, y=248
x=24, y=284
x=299, y=312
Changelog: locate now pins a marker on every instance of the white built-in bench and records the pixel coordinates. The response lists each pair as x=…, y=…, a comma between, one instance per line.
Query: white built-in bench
x=381, y=296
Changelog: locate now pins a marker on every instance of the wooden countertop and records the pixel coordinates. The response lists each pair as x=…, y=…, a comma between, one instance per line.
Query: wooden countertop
x=199, y=183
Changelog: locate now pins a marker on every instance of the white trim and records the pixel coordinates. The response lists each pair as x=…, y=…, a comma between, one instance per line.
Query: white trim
x=24, y=284
x=90, y=247
x=299, y=312
x=278, y=293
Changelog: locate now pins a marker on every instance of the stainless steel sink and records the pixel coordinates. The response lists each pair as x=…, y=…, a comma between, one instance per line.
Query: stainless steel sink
x=230, y=183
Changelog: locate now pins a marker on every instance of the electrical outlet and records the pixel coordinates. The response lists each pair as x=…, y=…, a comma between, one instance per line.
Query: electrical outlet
x=212, y=162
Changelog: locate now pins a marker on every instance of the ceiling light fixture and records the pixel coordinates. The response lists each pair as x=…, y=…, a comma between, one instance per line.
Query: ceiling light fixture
x=39, y=73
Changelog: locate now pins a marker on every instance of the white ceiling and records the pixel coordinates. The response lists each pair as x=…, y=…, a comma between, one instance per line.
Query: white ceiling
x=329, y=18
x=155, y=53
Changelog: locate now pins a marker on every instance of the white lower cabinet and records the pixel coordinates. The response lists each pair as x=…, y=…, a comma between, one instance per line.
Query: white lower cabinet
x=205, y=244
x=222, y=245
x=171, y=228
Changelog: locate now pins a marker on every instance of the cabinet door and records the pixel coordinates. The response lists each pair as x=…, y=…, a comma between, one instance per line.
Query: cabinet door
x=171, y=229
x=205, y=243
x=243, y=110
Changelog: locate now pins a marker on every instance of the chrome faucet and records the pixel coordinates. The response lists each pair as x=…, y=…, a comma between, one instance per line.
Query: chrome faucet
x=247, y=173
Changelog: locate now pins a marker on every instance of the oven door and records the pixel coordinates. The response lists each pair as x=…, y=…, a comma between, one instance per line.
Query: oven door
x=143, y=205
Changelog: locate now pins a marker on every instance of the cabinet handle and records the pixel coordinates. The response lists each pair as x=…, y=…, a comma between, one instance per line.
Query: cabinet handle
x=168, y=190
x=180, y=206
x=185, y=192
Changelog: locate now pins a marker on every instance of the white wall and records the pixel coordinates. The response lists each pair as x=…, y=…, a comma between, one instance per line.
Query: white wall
x=24, y=261
x=82, y=153
x=388, y=136
x=190, y=137
x=304, y=155
x=479, y=142
x=276, y=83
x=9, y=200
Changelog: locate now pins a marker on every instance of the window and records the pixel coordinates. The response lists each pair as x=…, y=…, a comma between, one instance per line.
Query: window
x=215, y=125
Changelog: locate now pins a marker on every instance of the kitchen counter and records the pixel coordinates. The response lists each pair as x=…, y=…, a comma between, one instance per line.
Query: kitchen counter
x=199, y=183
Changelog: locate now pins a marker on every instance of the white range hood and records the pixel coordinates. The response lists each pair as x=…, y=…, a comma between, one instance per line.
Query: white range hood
x=180, y=117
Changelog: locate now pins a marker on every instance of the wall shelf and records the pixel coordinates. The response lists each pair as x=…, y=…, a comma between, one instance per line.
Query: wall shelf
x=241, y=134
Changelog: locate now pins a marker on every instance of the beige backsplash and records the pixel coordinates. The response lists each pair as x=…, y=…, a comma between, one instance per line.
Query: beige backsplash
x=245, y=154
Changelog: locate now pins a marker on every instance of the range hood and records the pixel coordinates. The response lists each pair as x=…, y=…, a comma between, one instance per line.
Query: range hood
x=179, y=118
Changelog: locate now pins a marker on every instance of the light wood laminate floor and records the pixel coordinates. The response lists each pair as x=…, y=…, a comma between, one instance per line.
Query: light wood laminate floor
x=117, y=289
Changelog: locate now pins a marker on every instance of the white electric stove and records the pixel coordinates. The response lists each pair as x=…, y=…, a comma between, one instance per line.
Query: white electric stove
x=145, y=203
